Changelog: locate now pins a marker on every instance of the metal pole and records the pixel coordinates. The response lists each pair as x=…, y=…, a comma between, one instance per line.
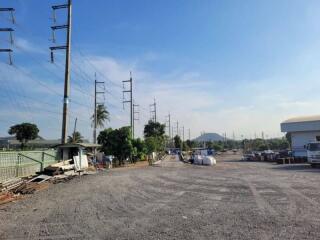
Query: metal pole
x=177, y=128
x=75, y=127
x=95, y=110
x=67, y=78
x=155, y=110
x=131, y=108
x=169, y=126
x=183, y=133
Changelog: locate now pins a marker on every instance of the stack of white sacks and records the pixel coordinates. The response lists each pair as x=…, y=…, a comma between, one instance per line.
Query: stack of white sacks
x=204, y=160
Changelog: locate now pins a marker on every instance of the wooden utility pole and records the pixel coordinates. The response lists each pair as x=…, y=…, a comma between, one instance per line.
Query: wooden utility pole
x=66, y=47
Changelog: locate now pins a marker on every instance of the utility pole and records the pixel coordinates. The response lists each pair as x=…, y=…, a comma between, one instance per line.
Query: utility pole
x=183, y=133
x=168, y=120
x=189, y=134
x=75, y=127
x=125, y=90
x=135, y=117
x=177, y=128
x=96, y=103
x=66, y=47
x=10, y=31
x=153, y=111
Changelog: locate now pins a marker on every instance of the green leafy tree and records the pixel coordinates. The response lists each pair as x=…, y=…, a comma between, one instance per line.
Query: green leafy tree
x=154, y=129
x=24, y=132
x=217, y=146
x=75, y=138
x=155, y=139
x=177, y=141
x=140, y=149
x=103, y=115
x=117, y=142
x=154, y=144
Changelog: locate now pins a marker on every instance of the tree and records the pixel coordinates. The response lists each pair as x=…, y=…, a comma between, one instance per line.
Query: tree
x=154, y=144
x=139, y=149
x=24, y=132
x=154, y=129
x=117, y=142
x=177, y=141
x=103, y=115
x=75, y=138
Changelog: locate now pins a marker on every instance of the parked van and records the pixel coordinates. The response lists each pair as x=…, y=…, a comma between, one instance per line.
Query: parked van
x=313, y=153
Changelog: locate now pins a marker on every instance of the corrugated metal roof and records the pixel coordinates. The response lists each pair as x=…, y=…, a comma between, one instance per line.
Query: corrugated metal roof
x=85, y=145
x=303, y=119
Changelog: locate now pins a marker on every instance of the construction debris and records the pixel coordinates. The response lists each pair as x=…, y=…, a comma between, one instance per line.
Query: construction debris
x=10, y=184
x=59, y=168
x=40, y=179
x=30, y=188
x=61, y=172
x=7, y=197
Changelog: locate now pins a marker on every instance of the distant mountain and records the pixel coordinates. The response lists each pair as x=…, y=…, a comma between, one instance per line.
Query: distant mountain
x=209, y=137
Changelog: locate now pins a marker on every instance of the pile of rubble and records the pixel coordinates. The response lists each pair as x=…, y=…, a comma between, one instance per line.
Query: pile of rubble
x=16, y=188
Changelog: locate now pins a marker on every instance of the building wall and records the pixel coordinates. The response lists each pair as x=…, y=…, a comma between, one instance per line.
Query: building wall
x=300, y=139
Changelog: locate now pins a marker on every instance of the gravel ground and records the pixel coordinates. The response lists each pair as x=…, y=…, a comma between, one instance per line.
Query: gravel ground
x=233, y=200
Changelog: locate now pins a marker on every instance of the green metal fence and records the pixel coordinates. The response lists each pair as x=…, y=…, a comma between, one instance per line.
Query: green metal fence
x=24, y=163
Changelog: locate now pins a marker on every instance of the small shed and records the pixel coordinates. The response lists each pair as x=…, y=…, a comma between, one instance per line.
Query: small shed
x=69, y=150
x=302, y=130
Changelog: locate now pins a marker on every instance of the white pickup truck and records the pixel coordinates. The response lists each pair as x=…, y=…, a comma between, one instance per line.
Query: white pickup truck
x=313, y=153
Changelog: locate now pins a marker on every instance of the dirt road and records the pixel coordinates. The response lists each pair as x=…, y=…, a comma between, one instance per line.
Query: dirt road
x=233, y=200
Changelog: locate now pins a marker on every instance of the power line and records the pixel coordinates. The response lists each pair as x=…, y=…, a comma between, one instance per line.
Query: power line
x=97, y=70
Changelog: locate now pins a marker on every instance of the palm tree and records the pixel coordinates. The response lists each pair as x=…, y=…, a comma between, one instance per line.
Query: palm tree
x=75, y=138
x=103, y=115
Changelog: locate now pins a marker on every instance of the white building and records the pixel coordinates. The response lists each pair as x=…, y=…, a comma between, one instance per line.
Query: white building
x=303, y=130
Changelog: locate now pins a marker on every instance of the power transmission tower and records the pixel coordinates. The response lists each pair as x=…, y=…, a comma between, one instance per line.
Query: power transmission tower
x=153, y=111
x=125, y=90
x=66, y=47
x=136, y=113
x=10, y=31
x=97, y=92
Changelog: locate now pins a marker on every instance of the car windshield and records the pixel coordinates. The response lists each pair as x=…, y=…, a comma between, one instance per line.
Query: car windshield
x=314, y=147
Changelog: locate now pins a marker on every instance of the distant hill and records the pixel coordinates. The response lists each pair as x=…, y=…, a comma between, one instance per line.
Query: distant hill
x=209, y=137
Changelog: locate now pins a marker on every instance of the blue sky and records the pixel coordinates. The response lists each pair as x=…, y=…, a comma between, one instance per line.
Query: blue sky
x=216, y=66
